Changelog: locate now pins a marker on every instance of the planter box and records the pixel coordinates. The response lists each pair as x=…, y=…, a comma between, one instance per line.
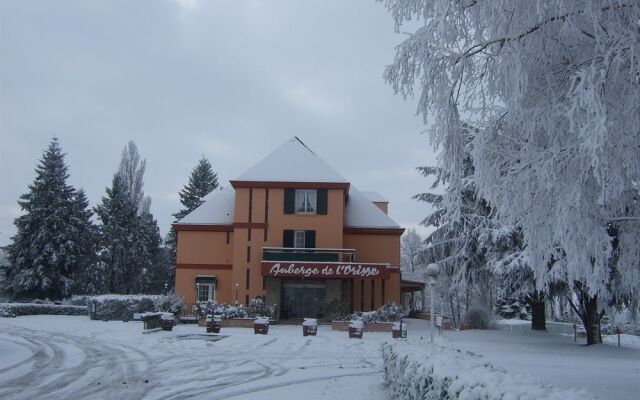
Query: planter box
x=167, y=321
x=261, y=329
x=399, y=334
x=202, y=322
x=355, y=333
x=166, y=325
x=375, y=327
x=309, y=327
x=214, y=324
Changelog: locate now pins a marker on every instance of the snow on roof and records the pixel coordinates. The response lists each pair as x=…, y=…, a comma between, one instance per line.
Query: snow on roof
x=360, y=212
x=292, y=162
x=217, y=209
x=374, y=197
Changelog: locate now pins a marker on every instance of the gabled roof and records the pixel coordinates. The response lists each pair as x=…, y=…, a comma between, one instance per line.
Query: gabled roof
x=218, y=209
x=291, y=162
x=360, y=212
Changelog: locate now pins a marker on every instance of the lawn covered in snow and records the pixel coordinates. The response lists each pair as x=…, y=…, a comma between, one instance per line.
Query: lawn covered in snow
x=62, y=357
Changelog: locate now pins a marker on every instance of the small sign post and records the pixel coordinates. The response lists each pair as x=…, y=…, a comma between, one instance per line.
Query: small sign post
x=618, y=331
x=575, y=333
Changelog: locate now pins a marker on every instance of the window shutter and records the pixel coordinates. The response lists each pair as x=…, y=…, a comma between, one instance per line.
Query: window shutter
x=322, y=200
x=310, y=239
x=289, y=201
x=287, y=238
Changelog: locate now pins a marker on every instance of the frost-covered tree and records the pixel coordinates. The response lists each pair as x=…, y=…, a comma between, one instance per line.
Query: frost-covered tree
x=455, y=244
x=46, y=251
x=554, y=86
x=131, y=172
x=202, y=181
x=410, y=247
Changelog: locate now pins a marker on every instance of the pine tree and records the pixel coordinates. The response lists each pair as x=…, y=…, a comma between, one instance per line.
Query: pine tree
x=44, y=254
x=88, y=277
x=117, y=237
x=130, y=238
x=202, y=181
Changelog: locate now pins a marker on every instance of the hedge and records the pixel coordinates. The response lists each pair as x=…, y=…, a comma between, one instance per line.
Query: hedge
x=431, y=372
x=122, y=307
x=17, y=309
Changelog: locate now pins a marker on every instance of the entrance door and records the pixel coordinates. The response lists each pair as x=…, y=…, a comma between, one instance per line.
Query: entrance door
x=302, y=299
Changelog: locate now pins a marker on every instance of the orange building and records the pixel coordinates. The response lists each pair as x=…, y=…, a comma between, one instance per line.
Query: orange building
x=293, y=232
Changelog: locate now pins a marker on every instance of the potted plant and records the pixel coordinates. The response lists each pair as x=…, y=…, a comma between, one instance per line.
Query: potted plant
x=356, y=329
x=167, y=320
x=309, y=327
x=261, y=326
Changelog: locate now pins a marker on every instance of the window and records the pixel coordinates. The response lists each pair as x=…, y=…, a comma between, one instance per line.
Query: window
x=306, y=201
x=206, y=292
x=299, y=240
x=248, y=279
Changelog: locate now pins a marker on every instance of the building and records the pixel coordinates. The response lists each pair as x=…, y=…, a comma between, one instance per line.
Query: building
x=293, y=232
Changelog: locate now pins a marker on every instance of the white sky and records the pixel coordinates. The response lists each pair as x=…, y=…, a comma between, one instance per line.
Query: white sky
x=231, y=80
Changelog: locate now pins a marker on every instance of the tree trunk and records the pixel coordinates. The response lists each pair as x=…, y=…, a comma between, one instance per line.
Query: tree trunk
x=591, y=320
x=538, y=318
x=588, y=313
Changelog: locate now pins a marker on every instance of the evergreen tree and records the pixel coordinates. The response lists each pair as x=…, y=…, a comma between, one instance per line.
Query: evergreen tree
x=130, y=238
x=44, y=254
x=89, y=277
x=202, y=181
x=117, y=237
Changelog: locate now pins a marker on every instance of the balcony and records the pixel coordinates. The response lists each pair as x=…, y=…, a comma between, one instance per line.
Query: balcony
x=308, y=254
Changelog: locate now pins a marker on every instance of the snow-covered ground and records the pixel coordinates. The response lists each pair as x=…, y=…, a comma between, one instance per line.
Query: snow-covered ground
x=606, y=371
x=61, y=357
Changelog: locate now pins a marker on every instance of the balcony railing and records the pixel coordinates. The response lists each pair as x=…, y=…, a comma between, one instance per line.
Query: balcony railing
x=308, y=254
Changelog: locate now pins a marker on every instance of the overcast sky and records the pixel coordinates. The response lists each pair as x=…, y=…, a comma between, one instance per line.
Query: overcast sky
x=230, y=80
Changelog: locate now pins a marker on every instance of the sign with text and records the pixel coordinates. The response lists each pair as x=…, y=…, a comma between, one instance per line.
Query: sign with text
x=318, y=270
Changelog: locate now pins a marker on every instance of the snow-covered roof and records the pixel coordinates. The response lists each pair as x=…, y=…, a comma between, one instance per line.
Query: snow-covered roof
x=292, y=162
x=217, y=209
x=374, y=197
x=360, y=212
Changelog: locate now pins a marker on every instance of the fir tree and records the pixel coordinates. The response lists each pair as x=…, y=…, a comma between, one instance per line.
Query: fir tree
x=89, y=278
x=45, y=253
x=130, y=238
x=202, y=181
x=117, y=237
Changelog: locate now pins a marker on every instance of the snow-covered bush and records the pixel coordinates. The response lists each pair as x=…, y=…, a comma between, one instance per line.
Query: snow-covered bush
x=256, y=308
x=122, y=307
x=512, y=308
x=171, y=303
x=389, y=312
x=477, y=317
x=627, y=327
x=18, y=309
x=433, y=372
